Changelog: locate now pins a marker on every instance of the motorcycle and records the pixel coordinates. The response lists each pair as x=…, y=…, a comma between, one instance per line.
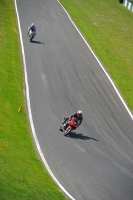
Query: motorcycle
x=69, y=125
x=31, y=35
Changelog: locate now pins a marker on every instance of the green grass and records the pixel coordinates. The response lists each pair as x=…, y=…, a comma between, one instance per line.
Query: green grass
x=22, y=173
x=107, y=25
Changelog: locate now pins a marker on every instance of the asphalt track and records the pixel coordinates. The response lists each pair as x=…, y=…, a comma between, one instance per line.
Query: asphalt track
x=95, y=162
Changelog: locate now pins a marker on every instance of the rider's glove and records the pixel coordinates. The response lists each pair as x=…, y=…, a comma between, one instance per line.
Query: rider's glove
x=70, y=118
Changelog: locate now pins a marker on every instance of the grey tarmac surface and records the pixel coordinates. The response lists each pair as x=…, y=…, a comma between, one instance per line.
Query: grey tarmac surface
x=96, y=161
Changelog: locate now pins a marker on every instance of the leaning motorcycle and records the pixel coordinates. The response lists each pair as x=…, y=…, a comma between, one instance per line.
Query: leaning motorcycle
x=69, y=125
x=31, y=35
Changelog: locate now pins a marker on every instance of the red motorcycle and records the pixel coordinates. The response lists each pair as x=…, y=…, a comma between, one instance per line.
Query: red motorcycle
x=69, y=125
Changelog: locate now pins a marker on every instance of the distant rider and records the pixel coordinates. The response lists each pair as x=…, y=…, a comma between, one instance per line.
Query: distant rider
x=78, y=117
x=32, y=28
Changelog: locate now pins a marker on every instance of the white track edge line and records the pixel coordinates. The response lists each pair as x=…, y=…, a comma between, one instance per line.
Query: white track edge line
x=30, y=113
x=129, y=112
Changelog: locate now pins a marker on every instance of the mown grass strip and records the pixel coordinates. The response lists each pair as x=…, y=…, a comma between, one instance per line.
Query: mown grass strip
x=22, y=174
x=107, y=26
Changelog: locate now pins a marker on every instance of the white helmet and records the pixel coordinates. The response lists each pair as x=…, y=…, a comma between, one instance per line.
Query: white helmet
x=79, y=113
x=32, y=24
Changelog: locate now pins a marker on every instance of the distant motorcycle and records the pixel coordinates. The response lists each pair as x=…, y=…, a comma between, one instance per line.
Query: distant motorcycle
x=69, y=125
x=31, y=35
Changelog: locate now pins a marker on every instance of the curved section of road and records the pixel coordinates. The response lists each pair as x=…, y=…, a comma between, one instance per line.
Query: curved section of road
x=63, y=76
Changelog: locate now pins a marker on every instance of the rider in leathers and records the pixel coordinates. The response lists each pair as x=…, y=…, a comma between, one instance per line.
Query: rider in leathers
x=78, y=116
x=32, y=28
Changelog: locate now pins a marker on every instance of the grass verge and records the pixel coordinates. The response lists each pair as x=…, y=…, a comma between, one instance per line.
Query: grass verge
x=107, y=26
x=22, y=173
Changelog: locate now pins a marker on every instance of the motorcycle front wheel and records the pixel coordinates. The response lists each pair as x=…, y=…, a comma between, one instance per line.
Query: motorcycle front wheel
x=67, y=132
x=31, y=39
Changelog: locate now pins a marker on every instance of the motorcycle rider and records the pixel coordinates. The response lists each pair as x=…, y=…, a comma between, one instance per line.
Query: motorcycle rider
x=32, y=28
x=78, y=117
